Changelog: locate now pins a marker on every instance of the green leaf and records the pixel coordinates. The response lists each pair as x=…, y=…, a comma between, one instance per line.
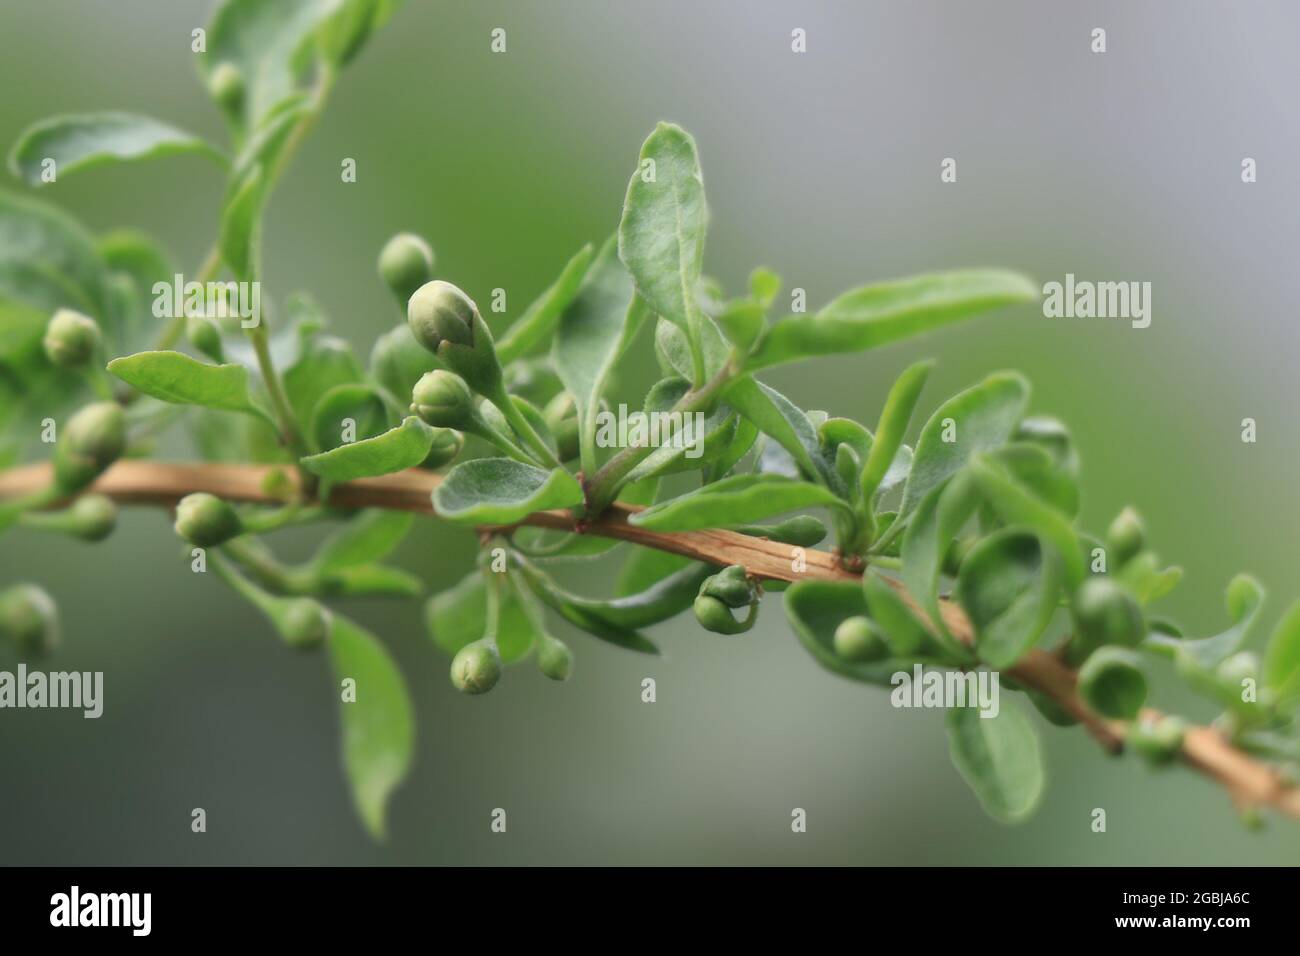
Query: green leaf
x=645, y=566
x=980, y=418
x=240, y=234
x=927, y=541
x=345, y=33
x=265, y=40
x=1000, y=758
x=363, y=405
x=500, y=491
x=664, y=599
x=893, y=425
x=593, y=331
x=704, y=443
x=177, y=378
x=908, y=637
x=1009, y=586
x=368, y=536
x=97, y=139
x=324, y=363
x=395, y=450
x=535, y=326
x=397, y=362
x=369, y=580
x=48, y=259
x=1034, y=467
x=1014, y=505
x=378, y=727
x=887, y=312
x=734, y=501
x=815, y=609
x=1112, y=683
x=661, y=235
x=776, y=416
x=573, y=610
x=458, y=616
x=1244, y=598
x=1282, y=660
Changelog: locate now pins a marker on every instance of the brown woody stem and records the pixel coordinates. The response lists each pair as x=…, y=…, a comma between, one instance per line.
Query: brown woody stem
x=1249, y=782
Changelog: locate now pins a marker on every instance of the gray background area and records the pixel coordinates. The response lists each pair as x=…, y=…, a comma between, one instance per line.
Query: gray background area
x=1123, y=166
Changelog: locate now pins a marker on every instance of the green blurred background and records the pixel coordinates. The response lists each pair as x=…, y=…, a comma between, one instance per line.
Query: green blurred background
x=824, y=166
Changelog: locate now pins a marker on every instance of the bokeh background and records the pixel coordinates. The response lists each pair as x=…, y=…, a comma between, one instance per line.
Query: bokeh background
x=823, y=165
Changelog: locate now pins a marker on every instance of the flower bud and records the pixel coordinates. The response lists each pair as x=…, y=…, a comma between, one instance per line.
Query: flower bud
x=859, y=639
x=476, y=668
x=93, y=517
x=29, y=618
x=554, y=658
x=1112, y=683
x=226, y=87
x=304, y=623
x=719, y=594
x=442, y=399
x=405, y=264
x=91, y=441
x=1105, y=613
x=206, y=520
x=439, y=312
x=730, y=586
x=1157, y=743
x=71, y=339
x=446, y=446
x=205, y=336
x=1126, y=537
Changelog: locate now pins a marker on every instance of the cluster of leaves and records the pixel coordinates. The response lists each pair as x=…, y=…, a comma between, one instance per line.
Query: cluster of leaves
x=984, y=504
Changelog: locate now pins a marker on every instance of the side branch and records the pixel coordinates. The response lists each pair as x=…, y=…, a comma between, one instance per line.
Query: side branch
x=1248, y=781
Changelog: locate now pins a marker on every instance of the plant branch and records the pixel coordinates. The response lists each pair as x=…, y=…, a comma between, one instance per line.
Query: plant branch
x=1249, y=782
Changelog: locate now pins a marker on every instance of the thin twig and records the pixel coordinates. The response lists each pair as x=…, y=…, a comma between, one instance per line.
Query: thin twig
x=1249, y=782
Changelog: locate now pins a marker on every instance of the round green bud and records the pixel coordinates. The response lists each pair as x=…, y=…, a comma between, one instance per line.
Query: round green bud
x=97, y=432
x=29, y=618
x=205, y=520
x=226, y=87
x=205, y=336
x=476, y=668
x=731, y=586
x=93, y=517
x=304, y=623
x=1157, y=742
x=1106, y=613
x=1126, y=536
x=446, y=446
x=92, y=440
x=439, y=312
x=554, y=658
x=405, y=264
x=1112, y=683
x=859, y=639
x=71, y=339
x=442, y=399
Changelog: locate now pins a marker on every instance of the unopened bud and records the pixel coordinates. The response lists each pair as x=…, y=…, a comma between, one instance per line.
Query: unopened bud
x=226, y=87
x=1126, y=536
x=719, y=595
x=405, y=264
x=91, y=441
x=29, y=618
x=442, y=399
x=859, y=639
x=71, y=339
x=207, y=521
x=439, y=312
x=554, y=658
x=93, y=517
x=304, y=623
x=476, y=668
x=1157, y=742
x=446, y=446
